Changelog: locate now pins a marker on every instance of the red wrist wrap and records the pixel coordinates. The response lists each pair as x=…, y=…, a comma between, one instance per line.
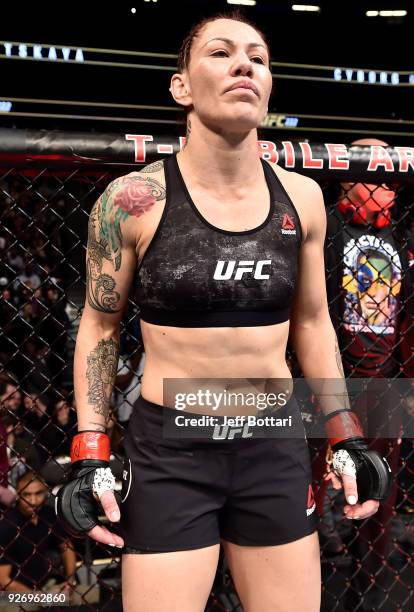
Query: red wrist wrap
x=343, y=425
x=90, y=445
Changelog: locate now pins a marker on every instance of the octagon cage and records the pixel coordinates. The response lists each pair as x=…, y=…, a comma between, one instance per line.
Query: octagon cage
x=49, y=182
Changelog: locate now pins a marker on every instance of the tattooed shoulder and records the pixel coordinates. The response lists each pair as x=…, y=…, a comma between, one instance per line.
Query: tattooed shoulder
x=156, y=166
x=131, y=195
x=128, y=196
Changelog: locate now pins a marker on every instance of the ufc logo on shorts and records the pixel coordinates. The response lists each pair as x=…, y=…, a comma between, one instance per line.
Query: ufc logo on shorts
x=225, y=432
x=235, y=270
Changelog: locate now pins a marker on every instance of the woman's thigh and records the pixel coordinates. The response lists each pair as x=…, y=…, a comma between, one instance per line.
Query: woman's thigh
x=283, y=578
x=175, y=581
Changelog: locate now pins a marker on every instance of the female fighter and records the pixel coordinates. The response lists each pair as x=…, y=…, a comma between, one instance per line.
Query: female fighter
x=230, y=262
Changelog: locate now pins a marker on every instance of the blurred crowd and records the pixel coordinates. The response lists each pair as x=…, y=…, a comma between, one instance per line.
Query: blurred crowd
x=33, y=306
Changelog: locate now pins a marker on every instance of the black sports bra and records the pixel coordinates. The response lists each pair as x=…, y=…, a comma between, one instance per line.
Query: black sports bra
x=194, y=274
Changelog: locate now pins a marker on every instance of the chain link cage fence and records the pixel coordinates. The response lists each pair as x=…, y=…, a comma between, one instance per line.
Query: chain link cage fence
x=48, y=185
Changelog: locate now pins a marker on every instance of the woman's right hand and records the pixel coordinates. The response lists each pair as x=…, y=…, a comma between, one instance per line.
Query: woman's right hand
x=90, y=485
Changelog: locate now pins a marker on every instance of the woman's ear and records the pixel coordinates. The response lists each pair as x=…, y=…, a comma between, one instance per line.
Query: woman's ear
x=180, y=90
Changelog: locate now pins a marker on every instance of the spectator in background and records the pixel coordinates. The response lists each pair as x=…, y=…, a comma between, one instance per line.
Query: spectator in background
x=15, y=261
x=53, y=280
x=6, y=296
x=34, y=419
x=10, y=399
x=58, y=433
x=29, y=318
x=30, y=536
x=368, y=257
x=370, y=288
x=23, y=428
x=21, y=456
x=54, y=331
x=4, y=252
x=56, y=437
x=8, y=312
x=10, y=396
x=38, y=304
x=21, y=325
x=24, y=424
x=31, y=367
x=29, y=276
x=38, y=251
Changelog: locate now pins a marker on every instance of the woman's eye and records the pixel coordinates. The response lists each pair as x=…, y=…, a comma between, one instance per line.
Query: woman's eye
x=258, y=59
x=220, y=53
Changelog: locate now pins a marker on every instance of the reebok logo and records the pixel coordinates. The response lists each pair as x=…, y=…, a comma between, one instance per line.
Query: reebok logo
x=311, y=502
x=233, y=270
x=288, y=226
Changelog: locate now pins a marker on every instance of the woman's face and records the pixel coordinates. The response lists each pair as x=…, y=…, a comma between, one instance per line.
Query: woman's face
x=228, y=78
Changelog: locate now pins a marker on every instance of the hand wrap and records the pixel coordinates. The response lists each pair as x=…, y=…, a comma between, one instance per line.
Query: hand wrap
x=90, y=475
x=352, y=456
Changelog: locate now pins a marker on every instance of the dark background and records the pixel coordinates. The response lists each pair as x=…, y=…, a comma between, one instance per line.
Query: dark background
x=340, y=35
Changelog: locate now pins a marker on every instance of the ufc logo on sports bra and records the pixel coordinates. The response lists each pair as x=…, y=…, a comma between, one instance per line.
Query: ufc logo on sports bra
x=233, y=270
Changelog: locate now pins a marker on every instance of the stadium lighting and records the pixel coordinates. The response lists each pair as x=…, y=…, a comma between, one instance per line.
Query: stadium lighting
x=392, y=13
x=386, y=13
x=244, y=2
x=306, y=8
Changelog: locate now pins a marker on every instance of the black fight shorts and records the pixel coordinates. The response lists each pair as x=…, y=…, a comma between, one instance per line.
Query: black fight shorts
x=186, y=494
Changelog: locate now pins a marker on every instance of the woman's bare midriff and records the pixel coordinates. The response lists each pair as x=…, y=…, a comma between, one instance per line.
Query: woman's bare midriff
x=213, y=352
x=216, y=354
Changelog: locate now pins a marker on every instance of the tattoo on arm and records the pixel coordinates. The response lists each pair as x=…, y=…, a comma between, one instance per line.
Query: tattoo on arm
x=129, y=195
x=100, y=287
x=102, y=364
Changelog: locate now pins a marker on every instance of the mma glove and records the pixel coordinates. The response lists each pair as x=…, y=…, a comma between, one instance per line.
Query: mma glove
x=76, y=503
x=352, y=456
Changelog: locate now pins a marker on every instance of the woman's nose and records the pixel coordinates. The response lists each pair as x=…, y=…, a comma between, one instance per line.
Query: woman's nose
x=243, y=66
